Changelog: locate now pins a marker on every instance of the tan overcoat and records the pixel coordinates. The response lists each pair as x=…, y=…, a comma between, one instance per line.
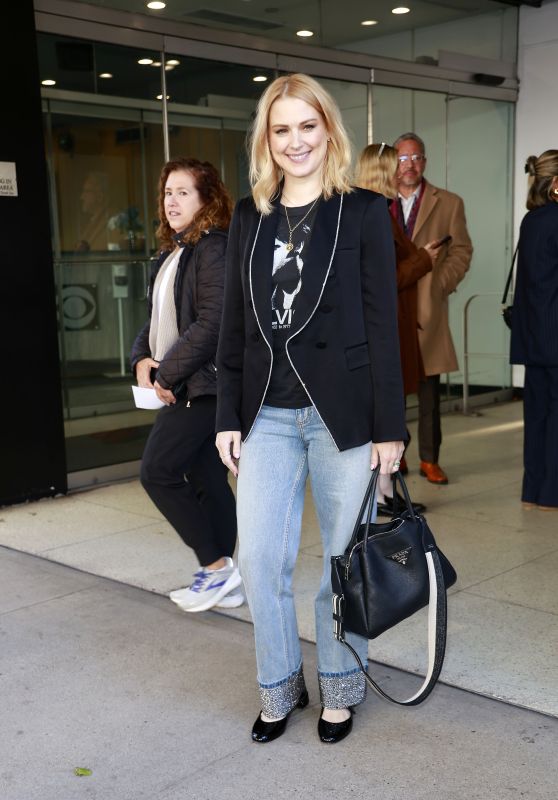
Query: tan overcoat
x=440, y=213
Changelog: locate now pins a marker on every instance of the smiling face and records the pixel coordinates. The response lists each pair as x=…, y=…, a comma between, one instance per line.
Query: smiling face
x=182, y=200
x=297, y=139
x=410, y=172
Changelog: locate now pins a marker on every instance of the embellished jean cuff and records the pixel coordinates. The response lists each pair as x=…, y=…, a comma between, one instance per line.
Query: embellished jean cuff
x=279, y=698
x=342, y=689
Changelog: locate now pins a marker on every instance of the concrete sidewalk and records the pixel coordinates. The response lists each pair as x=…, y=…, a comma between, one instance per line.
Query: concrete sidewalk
x=502, y=612
x=159, y=705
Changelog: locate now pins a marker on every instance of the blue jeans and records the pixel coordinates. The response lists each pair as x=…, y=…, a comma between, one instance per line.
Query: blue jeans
x=284, y=447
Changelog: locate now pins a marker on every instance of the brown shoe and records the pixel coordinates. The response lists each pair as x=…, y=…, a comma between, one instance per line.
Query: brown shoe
x=433, y=472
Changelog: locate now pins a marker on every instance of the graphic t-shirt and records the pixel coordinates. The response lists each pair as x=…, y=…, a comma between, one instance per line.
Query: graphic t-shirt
x=285, y=389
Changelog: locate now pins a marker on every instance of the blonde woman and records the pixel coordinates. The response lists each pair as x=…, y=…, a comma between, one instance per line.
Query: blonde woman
x=309, y=382
x=377, y=170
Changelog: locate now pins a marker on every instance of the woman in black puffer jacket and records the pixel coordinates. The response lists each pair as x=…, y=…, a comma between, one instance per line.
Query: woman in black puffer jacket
x=174, y=354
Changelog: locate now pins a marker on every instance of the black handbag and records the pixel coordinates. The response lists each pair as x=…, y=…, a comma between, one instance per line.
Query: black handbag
x=507, y=311
x=387, y=573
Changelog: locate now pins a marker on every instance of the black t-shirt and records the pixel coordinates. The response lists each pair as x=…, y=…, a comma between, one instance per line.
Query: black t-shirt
x=285, y=389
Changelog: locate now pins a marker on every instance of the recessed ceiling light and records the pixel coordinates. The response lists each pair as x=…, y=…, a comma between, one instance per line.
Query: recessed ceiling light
x=305, y=34
x=155, y=5
x=368, y=22
x=259, y=78
x=400, y=10
x=155, y=64
x=160, y=97
x=105, y=75
x=48, y=82
x=169, y=67
x=145, y=61
x=174, y=62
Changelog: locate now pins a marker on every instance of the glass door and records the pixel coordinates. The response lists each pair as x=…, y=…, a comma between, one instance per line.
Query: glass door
x=469, y=147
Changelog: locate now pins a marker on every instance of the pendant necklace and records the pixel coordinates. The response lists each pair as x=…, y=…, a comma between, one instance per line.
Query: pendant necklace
x=290, y=244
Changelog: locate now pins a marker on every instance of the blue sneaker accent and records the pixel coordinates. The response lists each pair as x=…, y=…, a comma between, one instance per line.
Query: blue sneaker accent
x=208, y=588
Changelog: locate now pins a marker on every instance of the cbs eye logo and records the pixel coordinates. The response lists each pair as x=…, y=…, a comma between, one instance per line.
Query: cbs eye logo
x=79, y=307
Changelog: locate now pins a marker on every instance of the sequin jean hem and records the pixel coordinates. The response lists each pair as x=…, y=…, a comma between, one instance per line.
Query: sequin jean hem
x=342, y=690
x=280, y=698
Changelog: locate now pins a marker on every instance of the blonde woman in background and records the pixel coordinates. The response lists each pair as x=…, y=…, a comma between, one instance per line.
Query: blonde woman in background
x=376, y=170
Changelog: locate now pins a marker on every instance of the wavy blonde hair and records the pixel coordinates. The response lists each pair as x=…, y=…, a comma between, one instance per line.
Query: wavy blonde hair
x=542, y=171
x=376, y=168
x=265, y=175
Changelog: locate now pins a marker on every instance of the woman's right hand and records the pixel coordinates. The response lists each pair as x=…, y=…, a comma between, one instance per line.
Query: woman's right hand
x=433, y=250
x=228, y=445
x=143, y=372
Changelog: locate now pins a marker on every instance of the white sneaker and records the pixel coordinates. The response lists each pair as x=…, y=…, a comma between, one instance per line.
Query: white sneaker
x=208, y=588
x=233, y=599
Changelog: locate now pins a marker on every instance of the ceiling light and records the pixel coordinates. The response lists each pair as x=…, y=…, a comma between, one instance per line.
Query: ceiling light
x=400, y=10
x=368, y=22
x=145, y=61
x=155, y=64
x=305, y=34
x=160, y=97
x=259, y=78
x=156, y=6
x=48, y=82
x=169, y=67
x=105, y=75
x=174, y=62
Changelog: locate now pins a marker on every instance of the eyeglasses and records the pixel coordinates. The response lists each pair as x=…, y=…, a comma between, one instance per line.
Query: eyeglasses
x=414, y=158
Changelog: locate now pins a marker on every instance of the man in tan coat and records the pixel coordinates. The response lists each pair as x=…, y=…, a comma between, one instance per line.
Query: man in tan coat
x=426, y=213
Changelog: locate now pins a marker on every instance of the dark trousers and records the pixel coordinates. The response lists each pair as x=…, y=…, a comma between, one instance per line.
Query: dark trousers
x=540, y=438
x=182, y=473
x=429, y=424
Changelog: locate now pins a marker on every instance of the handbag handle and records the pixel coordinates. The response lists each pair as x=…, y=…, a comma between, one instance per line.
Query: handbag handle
x=509, y=278
x=437, y=625
x=368, y=503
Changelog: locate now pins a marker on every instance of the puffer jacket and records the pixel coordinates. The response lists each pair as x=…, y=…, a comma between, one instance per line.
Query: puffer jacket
x=189, y=365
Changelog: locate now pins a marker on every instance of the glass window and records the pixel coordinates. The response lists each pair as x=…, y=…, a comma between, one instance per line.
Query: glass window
x=468, y=145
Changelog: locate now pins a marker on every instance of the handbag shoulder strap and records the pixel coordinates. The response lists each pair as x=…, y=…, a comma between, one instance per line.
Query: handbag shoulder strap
x=510, y=274
x=437, y=624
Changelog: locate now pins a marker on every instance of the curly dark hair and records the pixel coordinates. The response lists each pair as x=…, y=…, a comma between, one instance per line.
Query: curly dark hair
x=217, y=206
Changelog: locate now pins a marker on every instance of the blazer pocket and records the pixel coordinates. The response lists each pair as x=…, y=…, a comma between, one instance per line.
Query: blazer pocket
x=357, y=356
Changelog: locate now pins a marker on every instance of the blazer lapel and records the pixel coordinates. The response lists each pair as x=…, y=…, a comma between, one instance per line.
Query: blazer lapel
x=261, y=268
x=429, y=202
x=317, y=265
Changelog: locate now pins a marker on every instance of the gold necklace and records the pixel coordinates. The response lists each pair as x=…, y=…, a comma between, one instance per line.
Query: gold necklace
x=290, y=244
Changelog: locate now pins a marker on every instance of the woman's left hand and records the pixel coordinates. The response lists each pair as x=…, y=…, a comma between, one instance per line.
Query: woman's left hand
x=388, y=455
x=164, y=395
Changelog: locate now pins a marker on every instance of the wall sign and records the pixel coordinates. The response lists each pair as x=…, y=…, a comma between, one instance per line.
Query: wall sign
x=8, y=181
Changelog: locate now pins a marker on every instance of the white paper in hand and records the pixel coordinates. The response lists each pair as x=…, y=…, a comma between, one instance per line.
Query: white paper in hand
x=146, y=398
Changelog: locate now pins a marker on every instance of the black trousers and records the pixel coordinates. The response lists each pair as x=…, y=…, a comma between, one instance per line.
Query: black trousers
x=182, y=473
x=540, y=438
x=429, y=423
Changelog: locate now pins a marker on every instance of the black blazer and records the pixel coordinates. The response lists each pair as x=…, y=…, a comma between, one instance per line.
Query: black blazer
x=198, y=299
x=344, y=342
x=534, y=338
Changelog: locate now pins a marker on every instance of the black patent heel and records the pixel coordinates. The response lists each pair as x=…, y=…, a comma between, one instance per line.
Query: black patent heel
x=268, y=731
